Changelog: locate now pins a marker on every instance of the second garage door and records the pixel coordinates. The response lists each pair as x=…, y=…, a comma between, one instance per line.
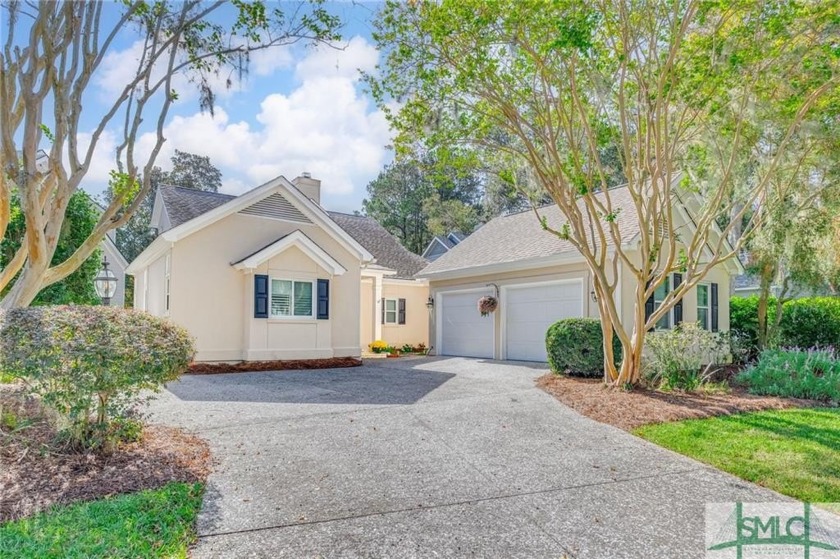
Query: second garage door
x=531, y=309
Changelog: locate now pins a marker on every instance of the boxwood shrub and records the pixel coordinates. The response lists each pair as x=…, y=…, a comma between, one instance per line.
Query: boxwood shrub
x=795, y=373
x=575, y=346
x=90, y=364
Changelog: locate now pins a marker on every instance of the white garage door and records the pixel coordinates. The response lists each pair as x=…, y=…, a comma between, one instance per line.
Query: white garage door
x=464, y=331
x=530, y=310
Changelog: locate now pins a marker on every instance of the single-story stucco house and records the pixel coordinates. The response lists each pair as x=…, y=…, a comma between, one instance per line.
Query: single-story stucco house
x=272, y=275
x=539, y=278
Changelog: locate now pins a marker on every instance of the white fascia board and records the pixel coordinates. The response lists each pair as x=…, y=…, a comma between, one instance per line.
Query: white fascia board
x=515, y=266
x=151, y=253
x=299, y=240
x=380, y=271
x=404, y=282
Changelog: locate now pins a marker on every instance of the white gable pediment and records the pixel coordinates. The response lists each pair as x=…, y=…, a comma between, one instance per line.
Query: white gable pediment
x=295, y=239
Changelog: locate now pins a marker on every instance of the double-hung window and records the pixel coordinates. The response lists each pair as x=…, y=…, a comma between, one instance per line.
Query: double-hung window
x=291, y=298
x=658, y=298
x=390, y=311
x=703, y=305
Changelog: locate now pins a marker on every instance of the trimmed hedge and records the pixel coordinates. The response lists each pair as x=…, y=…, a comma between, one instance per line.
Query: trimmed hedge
x=575, y=346
x=806, y=323
x=795, y=373
x=90, y=364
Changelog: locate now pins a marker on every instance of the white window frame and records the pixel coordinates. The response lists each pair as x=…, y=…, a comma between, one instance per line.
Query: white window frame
x=670, y=315
x=313, y=310
x=396, y=310
x=167, y=274
x=708, y=305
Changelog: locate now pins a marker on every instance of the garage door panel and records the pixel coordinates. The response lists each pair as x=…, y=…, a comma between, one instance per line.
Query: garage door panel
x=530, y=310
x=464, y=332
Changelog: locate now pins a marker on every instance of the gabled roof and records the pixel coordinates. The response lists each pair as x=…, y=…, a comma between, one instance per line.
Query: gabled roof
x=387, y=250
x=520, y=236
x=294, y=239
x=183, y=204
x=218, y=209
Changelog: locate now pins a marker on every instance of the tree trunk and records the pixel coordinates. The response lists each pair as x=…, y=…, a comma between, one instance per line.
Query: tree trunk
x=766, y=280
x=25, y=288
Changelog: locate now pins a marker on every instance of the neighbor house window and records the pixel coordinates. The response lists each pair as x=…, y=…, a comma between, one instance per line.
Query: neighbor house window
x=167, y=274
x=658, y=298
x=291, y=298
x=703, y=305
x=390, y=311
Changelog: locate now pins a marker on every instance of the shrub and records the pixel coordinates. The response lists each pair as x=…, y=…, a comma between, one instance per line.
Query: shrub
x=575, y=346
x=795, y=373
x=90, y=364
x=674, y=358
x=811, y=322
x=743, y=321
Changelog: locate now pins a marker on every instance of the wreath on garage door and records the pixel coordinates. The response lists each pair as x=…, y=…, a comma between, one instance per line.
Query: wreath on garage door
x=487, y=304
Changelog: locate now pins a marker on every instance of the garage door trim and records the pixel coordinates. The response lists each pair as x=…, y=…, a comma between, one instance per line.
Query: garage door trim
x=439, y=314
x=503, y=303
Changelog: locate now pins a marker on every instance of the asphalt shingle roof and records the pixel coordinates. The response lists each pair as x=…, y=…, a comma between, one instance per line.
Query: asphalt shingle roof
x=183, y=204
x=520, y=236
x=381, y=244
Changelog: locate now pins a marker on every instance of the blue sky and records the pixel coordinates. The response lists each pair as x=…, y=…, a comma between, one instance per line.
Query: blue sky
x=299, y=109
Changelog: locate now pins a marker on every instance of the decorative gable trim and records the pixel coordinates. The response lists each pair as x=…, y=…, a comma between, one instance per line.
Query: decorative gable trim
x=295, y=239
x=276, y=206
x=428, y=251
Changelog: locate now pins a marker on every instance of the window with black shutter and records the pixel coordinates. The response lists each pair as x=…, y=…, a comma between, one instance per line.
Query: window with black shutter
x=260, y=296
x=323, y=299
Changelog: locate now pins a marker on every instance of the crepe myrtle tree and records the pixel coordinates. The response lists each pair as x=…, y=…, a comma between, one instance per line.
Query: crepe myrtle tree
x=710, y=103
x=52, y=51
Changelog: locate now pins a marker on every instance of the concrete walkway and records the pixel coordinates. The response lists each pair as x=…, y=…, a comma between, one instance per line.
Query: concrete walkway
x=433, y=457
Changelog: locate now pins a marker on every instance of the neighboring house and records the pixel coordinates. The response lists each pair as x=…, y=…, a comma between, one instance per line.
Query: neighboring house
x=442, y=244
x=272, y=275
x=540, y=278
x=117, y=264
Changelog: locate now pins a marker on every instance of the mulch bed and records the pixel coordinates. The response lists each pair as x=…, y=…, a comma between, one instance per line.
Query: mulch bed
x=259, y=366
x=34, y=474
x=640, y=406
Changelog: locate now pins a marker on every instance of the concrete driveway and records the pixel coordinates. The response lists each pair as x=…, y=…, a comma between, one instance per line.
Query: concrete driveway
x=436, y=457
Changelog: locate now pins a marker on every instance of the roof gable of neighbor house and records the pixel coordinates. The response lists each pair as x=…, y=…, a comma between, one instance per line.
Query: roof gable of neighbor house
x=387, y=250
x=520, y=236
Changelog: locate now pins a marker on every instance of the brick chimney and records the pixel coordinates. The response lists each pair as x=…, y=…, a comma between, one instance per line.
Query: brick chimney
x=310, y=187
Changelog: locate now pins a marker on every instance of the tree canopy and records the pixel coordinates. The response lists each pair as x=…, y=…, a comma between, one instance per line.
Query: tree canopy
x=709, y=105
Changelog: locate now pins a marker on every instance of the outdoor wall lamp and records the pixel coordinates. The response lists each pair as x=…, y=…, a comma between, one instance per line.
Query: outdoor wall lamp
x=430, y=302
x=594, y=296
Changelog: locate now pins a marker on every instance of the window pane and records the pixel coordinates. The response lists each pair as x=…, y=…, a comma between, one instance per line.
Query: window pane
x=303, y=298
x=390, y=304
x=661, y=291
x=281, y=297
x=702, y=295
x=664, y=323
x=703, y=318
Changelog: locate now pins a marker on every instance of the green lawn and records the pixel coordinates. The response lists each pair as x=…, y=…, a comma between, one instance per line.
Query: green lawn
x=157, y=523
x=795, y=452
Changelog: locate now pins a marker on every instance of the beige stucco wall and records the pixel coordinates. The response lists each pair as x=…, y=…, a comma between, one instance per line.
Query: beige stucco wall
x=214, y=301
x=151, y=296
x=416, y=327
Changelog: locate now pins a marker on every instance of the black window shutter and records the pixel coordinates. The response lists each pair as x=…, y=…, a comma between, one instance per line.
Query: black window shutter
x=678, y=306
x=648, y=304
x=715, y=323
x=401, y=311
x=260, y=296
x=323, y=299
x=382, y=304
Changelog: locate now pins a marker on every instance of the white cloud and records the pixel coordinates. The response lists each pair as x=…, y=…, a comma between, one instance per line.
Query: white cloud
x=324, y=126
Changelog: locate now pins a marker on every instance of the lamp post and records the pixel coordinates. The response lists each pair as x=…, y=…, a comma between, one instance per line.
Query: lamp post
x=105, y=283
